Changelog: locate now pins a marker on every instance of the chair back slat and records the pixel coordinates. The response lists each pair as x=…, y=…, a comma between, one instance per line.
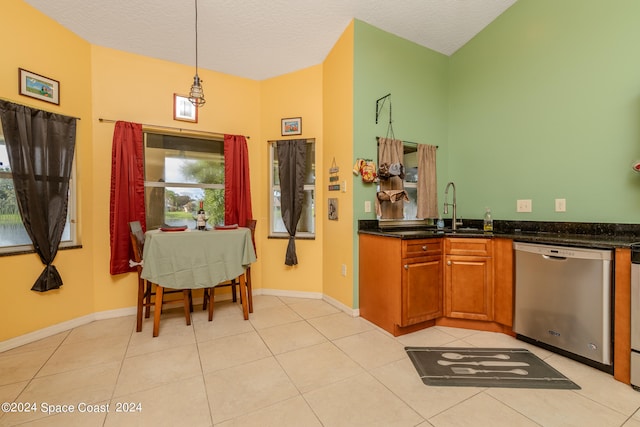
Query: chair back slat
x=137, y=240
x=251, y=225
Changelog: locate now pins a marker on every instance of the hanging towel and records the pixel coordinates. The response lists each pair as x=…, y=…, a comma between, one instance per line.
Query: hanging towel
x=427, y=198
x=390, y=151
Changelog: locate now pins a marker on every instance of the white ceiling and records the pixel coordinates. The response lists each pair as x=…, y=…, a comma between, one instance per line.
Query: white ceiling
x=259, y=39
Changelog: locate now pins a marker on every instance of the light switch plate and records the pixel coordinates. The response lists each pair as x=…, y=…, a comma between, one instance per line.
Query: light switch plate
x=523, y=205
x=561, y=205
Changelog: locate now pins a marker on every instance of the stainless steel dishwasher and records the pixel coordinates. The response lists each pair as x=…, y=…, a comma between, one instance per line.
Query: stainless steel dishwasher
x=563, y=301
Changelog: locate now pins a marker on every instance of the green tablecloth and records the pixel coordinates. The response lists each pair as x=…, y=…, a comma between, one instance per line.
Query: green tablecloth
x=196, y=259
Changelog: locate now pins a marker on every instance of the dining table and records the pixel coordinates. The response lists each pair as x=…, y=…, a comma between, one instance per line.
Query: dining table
x=197, y=259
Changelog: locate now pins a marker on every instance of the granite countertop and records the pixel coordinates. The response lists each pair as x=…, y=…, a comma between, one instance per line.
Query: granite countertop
x=602, y=236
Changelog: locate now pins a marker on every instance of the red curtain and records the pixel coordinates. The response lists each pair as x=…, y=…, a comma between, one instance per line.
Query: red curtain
x=237, y=188
x=127, y=192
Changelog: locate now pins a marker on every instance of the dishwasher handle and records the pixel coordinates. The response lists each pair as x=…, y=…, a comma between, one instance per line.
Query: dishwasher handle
x=554, y=257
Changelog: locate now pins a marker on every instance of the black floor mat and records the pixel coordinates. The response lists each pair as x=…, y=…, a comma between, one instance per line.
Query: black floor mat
x=485, y=367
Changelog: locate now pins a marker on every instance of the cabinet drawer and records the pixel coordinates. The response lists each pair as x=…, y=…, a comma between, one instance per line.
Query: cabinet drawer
x=417, y=248
x=468, y=246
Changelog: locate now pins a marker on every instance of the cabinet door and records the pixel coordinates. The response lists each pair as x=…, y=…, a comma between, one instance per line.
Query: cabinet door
x=421, y=290
x=469, y=287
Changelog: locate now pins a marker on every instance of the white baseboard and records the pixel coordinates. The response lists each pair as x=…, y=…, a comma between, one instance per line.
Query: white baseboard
x=310, y=295
x=64, y=326
x=131, y=311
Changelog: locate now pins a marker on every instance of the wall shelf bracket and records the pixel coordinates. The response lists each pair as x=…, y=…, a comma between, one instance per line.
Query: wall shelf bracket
x=380, y=105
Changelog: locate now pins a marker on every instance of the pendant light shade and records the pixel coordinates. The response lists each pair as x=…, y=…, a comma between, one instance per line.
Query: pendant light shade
x=196, y=94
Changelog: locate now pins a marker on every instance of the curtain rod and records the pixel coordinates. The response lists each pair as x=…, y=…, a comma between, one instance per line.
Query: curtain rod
x=405, y=142
x=38, y=108
x=273, y=141
x=101, y=120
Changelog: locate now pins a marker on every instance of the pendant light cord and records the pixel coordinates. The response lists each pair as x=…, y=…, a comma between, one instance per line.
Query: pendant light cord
x=196, y=1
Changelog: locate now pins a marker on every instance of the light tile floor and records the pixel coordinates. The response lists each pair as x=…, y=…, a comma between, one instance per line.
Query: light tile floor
x=296, y=362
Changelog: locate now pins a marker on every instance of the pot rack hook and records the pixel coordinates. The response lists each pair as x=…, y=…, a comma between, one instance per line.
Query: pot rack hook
x=380, y=105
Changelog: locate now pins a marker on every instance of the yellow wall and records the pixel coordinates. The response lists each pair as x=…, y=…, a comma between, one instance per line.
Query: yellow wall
x=140, y=89
x=98, y=82
x=297, y=94
x=38, y=44
x=338, y=130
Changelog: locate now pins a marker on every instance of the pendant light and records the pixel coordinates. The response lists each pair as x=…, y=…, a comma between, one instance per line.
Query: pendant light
x=196, y=94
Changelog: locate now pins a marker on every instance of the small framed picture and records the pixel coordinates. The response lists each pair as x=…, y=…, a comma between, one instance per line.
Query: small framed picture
x=292, y=126
x=183, y=109
x=39, y=87
x=333, y=209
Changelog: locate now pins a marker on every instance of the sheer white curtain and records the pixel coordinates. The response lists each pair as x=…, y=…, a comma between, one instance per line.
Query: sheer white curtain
x=427, y=202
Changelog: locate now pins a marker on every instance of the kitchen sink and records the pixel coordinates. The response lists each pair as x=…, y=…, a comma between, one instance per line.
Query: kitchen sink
x=410, y=232
x=433, y=231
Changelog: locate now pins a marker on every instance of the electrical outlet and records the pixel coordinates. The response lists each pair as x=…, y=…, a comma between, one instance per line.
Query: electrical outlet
x=523, y=205
x=561, y=205
x=367, y=206
x=343, y=187
x=343, y=270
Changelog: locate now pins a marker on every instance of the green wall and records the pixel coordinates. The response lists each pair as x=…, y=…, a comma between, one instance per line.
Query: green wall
x=545, y=104
x=417, y=79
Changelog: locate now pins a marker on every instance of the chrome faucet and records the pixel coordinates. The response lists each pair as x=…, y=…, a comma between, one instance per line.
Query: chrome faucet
x=454, y=220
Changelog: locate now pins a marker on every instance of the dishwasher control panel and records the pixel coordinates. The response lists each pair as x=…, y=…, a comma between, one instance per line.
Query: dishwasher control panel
x=563, y=251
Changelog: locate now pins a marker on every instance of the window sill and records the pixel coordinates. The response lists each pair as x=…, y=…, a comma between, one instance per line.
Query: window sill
x=280, y=237
x=32, y=251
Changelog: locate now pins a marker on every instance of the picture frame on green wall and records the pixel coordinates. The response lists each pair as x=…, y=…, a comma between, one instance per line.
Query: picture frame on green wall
x=39, y=87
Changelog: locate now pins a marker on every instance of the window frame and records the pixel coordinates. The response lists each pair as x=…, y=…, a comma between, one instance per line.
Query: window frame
x=273, y=188
x=171, y=184
x=72, y=212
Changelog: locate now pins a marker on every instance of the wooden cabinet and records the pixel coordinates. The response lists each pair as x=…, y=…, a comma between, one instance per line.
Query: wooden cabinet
x=406, y=285
x=503, y=281
x=421, y=290
x=400, y=286
x=468, y=279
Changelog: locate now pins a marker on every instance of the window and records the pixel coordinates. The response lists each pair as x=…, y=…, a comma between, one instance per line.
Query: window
x=180, y=173
x=410, y=161
x=13, y=235
x=306, y=226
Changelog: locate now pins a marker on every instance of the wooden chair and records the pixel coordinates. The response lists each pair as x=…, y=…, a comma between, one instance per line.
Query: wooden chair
x=208, y=295
x=145, y=288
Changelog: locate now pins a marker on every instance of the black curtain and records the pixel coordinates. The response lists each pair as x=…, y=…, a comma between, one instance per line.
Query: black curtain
x=40, y=146
x=291, y=165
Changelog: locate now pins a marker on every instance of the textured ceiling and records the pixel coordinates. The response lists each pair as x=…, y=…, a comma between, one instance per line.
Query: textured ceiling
x=259, y=39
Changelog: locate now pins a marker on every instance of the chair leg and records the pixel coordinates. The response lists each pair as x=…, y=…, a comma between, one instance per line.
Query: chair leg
x=211, y=293
x=187, y=305
x=140, y=307
x=205, y=297
x=249, y=290
x=243, y=297
x=158, y=309
x=147, y=296
x=233, y=291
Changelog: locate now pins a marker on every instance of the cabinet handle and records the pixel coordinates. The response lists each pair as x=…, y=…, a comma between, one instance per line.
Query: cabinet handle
x=424, y=248
x=406, y=266
x=448, y=262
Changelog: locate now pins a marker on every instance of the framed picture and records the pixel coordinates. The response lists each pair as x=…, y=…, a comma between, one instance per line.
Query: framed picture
x=333, y=209
x=183, y=109
x=39, y=87
x=292, y=126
